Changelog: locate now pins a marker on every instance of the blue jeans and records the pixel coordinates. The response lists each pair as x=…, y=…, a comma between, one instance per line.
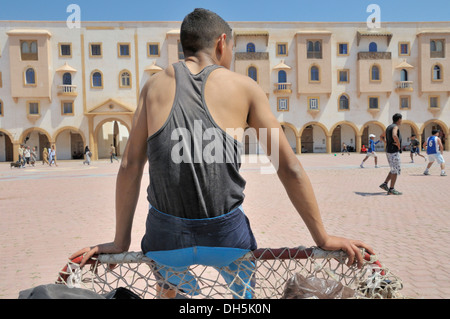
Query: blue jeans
x=218, y=242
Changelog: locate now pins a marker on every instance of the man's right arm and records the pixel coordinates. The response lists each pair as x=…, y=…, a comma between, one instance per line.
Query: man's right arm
x=441, y=146
x=294, y=177
x=395, y=137
x=383, y=137
x=127, y=186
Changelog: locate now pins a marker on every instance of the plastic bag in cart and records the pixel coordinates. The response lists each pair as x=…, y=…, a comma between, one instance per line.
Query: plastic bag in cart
x=299, y=287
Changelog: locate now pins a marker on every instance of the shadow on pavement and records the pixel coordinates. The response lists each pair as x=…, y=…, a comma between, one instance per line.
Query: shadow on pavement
x=370, y=194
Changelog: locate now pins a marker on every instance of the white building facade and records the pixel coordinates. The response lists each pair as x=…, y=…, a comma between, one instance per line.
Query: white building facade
x=327, y=83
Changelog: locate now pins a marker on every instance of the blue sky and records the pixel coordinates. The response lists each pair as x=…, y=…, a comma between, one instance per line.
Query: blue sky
x=230, y=10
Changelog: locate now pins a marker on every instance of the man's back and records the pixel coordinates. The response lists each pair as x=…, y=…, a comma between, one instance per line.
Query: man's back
x=432, y=145
x=226, y=94
x=193, y=162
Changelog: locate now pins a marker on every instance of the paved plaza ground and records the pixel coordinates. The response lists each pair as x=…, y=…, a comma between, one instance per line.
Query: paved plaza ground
x=47, y=213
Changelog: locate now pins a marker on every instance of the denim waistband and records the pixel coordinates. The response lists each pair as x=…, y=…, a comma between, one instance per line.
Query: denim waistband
x=166, y=232
x=222, y=220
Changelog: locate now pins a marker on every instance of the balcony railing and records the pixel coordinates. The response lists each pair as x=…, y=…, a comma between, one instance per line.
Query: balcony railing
x=374, y=55
x=283, y=88
x=70, y=90
x=405, y=86
x=314, y=55
x=252, y=56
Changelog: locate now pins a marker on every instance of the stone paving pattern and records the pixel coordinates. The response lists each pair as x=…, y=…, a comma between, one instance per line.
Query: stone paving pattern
x=47, y=213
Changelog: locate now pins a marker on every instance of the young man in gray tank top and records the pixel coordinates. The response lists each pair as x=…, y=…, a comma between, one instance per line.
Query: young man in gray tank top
x=223, y=100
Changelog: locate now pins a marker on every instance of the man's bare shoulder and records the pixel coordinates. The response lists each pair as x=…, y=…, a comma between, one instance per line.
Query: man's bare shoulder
x=230, y=80
x=234, y=76
x=158, y=80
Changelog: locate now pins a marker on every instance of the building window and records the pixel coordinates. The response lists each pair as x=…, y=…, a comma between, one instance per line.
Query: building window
x=373, y=47
x=434, y=102
x=282, y=77
x=374, y=102
x=67, y=108
x=251, y=47
x=283, y=104
x=29, y=50
x=153, y=50
x=437, y=48
x=343, y=76
x=314, y=74
x=67, y=78
x=282, y=49
x=344, y=102
x=123, y=50
x=403, y=48
x=343, y=49
x=253, y=73
x=97, y=80
x=125, y=79
x=375, y=74
x=180, y=51
x=33, y=108
x=403, y=75
x=314, y=49
x=314, y=103
x=96, y=50
x=405, y=102
x=437, y=73
x=1, y=108
x=65, y=50
x=30, y=77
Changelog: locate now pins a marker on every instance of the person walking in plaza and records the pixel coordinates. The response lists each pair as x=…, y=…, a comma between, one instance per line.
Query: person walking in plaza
x=345, y=149
x=87, y=155
x=53, y=155
x=45, y=156
x=435, y=151
x=27, y=155
x=21, y=157
x=50, y=159
x=33, y=157
x=415, y=148
x=186, y=196
x=393, y=141
x=371, y=151
x=113, y=153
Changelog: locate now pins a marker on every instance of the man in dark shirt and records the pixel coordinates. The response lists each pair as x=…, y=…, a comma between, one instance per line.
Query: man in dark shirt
x=415, y=148
x=393, y=140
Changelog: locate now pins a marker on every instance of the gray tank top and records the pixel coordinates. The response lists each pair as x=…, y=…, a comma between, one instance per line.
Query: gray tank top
x=193, y=163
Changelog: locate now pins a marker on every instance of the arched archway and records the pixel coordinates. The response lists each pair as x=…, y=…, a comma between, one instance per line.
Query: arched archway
x=314, y=138
x=113, y=131
x=345, y=132
x=70, y=143
x=407, y=129
x=36, y=137
x=6, y=146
